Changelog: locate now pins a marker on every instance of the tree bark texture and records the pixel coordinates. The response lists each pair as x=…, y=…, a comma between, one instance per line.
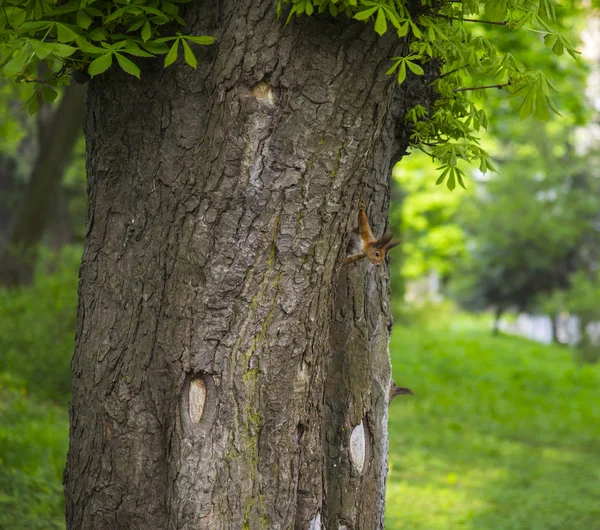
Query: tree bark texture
x=228, y=372
x=57, y=133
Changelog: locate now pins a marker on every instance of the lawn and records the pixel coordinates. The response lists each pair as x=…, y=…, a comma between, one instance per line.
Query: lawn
x=502, y=433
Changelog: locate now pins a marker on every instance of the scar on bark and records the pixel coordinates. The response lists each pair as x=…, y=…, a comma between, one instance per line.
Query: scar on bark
x=396, y=390
x=265, y=95
x=358, y=447
x=198, y=403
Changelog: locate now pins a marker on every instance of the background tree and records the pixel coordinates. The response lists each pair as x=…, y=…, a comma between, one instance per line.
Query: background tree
x=216, y=330
x=57, y=131
x=532, y=226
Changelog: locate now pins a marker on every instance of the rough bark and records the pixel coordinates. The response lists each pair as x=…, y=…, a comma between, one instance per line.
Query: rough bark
x=57, y=133
x=225, y=363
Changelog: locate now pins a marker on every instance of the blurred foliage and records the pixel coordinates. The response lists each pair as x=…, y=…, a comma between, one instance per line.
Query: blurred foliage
x=37, y=327
x=432, y=241
x=531, y=227
x=14, y=124
x=523, y=230
x=33, y=449
x=501, y=433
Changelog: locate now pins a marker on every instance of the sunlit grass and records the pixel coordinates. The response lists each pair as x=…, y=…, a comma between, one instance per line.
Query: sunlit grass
x=502, y=434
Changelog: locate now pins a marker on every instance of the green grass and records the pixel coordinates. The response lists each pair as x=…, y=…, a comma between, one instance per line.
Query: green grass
x=33, y=447
x=502, y=433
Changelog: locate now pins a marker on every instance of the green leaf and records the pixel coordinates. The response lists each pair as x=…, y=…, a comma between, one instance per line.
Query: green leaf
x=34, y=102
x=393, y=67
x=117, y=14
x=451, y=181
x=49, y=94
x=541, y=110
x=170, y=9
x=128, y=65
x=402, y=73
x=201, y=39
x=416, y=31
x=139, y=22
x=99, y=65
x=527, y=106
x=146, y=31
x=496, y=10
x=171, y=57
x=17, y=63
x=62, y=50
x=98, y=34
x=41, y=49
x=136, y=52
x=380, y=22
x=83, y=19
x=87, y=47
x=155, y=47
x=65, y=34
x=415, y=68
x=188, y=54
x=403, y=30
x=366, y=14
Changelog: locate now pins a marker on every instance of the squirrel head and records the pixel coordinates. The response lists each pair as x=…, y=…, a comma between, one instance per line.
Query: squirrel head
x=377, y=251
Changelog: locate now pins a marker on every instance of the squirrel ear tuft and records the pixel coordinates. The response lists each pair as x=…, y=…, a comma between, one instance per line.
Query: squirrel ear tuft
x=383, y=241
x=391, y=244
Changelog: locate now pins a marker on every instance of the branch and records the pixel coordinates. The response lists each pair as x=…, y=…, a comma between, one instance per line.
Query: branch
x=503, y=23
x=455, y=70
x=481, y=87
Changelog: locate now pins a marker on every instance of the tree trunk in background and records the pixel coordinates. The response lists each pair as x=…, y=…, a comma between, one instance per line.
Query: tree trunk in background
x=228, y=373
x=58, y=131
x=498, y=312
x=554, y=324
x=9, y=189
x=60, y=230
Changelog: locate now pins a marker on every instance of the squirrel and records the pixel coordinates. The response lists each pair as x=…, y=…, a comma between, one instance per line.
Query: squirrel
x=396, y=390
x=363, y=243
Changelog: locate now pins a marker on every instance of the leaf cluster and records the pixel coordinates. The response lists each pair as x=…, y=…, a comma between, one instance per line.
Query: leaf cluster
x=45, y=41
x=450, y=33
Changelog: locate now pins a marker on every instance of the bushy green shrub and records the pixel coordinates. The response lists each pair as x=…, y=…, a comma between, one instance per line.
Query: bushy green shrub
x=33, y=447
x=37, y=326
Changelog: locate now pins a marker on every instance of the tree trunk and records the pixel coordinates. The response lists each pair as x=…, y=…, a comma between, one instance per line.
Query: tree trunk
x=60, y=229
x=57, y=133
x=228, y=372
x=9, y=191
x=498, y=312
